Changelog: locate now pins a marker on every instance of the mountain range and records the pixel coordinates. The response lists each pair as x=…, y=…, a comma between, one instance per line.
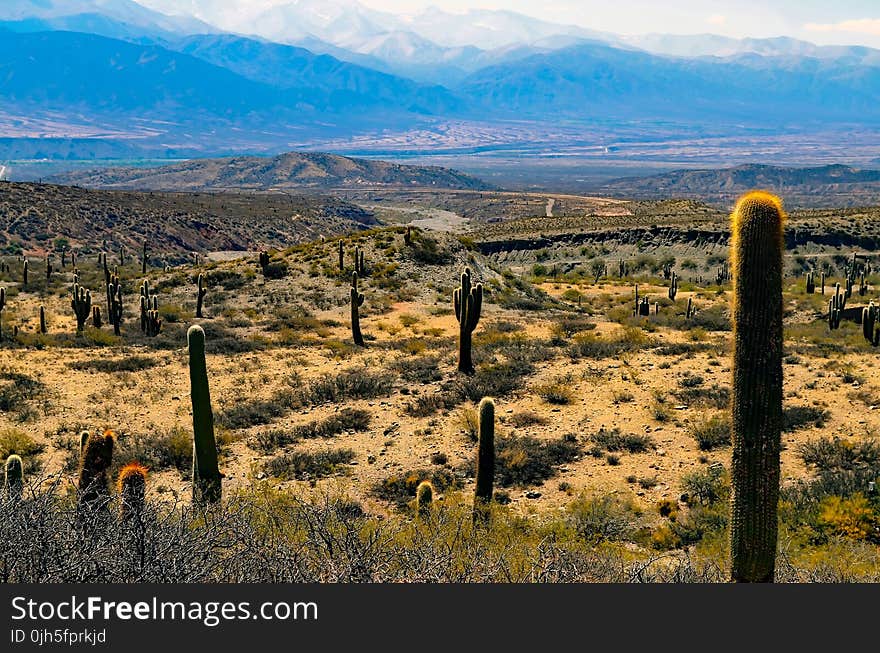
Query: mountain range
x=81, y=76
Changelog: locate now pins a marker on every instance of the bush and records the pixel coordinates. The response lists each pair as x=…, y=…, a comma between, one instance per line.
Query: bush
x=526, y=418
x=401, y=488
x=347, y=419
x=853, y=517
x=18, y=392
x=706, y=486
x=599, y=518
x=418, y=369
x=523, y=460
x=711, y=433
x=172, y=449
x=353, y=383
x=300, y=465
x=113, y=365
x=798, y=417
x=588, y=345
x=836, y=454
x=558, y=392
x=14, y=441
x=615, y=441
x=712, y=397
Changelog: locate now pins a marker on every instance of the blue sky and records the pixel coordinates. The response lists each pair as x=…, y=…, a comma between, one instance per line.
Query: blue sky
x=821, y=21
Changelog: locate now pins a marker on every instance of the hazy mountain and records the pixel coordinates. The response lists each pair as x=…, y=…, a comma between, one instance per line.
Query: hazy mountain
x=832, y=185
x=113, y=18
x=292, y=170
x=595, y=80
x=289, y=67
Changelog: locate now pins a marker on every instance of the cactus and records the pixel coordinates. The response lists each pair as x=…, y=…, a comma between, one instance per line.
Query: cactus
x=97, y=455
x=63, y=258
x=143, y=259
x=14, y=477
x=485, y=460
x=96, y=317
x=823, y=283
x=407, y=236
x=869, y=321
x=82, y=305
x=811, y=285
x=200, y=298
x=132, y=487
x=152, y=322
x=341, y=256
x=24, y=273
x=424, y=499
x=357, y=300
x=756, y=405
x=2, y=306
x=206, y=483
x=644, y=307
x=673, y=287
x=863, y=287
x=48, y=270
x=43, y=328
x=264, y=262
x=468, y=303
x=115, y=315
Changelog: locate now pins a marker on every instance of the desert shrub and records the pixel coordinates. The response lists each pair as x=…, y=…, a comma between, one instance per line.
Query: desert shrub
x=400, y=489
x=276, y=270
x=605, y=517
x=557, y=391
x=523, y=460
x=588, y=345
x=14, y=441
x=227, y=279
x=711, y=433
x=425, y=249
x=254, y=412
x=172, y=449
x=706, y=486
x=690, y=380
x=798, y=417
x=347, y=419
x=418, y=369
x=19, y=392
x=526, y=418
x=566, y=327
x=133, y=363
x=852, y=517
x=711, y=397
x=615, y=441
x=467, y=420
x=352, y=383
x=302, y=465
x=836, y=454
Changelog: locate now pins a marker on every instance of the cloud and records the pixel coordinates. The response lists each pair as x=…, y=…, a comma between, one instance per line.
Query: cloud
x=859, y=26
x=716, y=19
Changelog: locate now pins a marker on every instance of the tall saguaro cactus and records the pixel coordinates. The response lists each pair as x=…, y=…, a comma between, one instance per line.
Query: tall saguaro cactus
x=468, y=303
x=485, y=460
x=756, y=406
x=200, y=298
x=82, y=306
x=144, y=259
x=357, y=300
x=206, y=472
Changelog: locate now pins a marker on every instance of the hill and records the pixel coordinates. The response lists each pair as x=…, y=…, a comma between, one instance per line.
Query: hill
x=286, y=171
x=34, y=216
x=823, y=186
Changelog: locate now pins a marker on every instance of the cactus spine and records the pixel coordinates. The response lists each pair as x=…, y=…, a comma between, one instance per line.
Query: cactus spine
x=82, y=305
x=201, y=296
x=357, y=300
x=424, y=499
x=97, y=455
x=132, y=487
x=206, y=473
x=756, y=405
x=14, y=477
x=468, y=303
x=485, y=460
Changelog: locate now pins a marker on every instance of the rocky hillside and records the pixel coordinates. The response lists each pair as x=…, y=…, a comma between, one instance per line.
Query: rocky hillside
x=34, y=216
x=294, y=170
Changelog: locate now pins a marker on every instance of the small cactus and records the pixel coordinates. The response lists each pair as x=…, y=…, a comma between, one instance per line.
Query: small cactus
x=206, y=482
x=357, y=300
x=97, y=456
x=200, y=297
x=264, y=262
x=132, y=487
x=14, y=477
x=811, y=285
x=424, y=499
x=96, y=317
x=467, y=300
x=407, y=236
x=24, y=273
x=485, y=460
x=43, y=329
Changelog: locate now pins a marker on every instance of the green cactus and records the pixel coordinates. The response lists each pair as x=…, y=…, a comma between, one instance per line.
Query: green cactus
x=424, y=499
x=97, y=456
x=116, y=309
x=673, y=287
x=467, y=300
x=485, y=460
x=357, y=300
x=756, y=405
x=207, y=487
x=200, y=297
x=132, y=488
x=43, y=328
x=14, y=477
x=82, y=305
